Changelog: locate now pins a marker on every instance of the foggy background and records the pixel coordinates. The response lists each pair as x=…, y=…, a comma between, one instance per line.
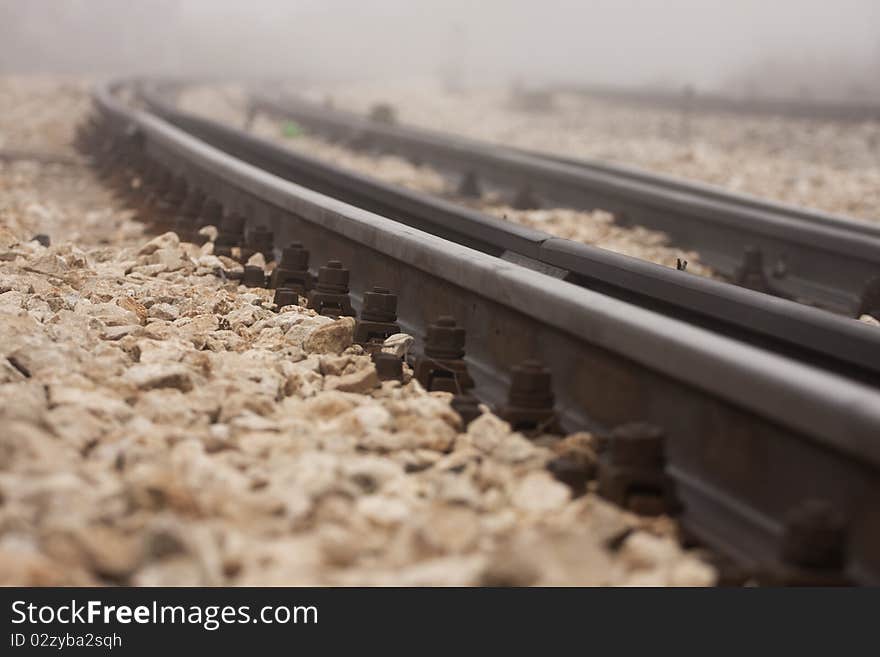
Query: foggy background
x=791, y=48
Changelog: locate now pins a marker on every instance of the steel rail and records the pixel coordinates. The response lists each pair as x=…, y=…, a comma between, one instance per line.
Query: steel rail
x=750, y=433
x=681, y=101
x=809, y=334
x=828, y=258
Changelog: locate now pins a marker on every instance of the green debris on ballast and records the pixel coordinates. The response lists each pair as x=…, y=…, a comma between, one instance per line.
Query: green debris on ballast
x=291, y=129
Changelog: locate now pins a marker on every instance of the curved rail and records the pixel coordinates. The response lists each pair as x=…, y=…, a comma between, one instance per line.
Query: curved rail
x=751, y=434
x=827, y=258
x=809, y=334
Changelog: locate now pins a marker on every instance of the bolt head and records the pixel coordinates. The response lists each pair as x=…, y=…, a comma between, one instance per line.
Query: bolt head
x=212, y=212
x=380, y=305
x=233, y=223
x=571, y=472
x=444, y=339
x=467, y=406
x=531, y=376
x=753, y=259
x=254, y=276
x=285, y=296
x=815, y=536
x=294, y=257
x=638, y=444
x=333, y=278
x=388, y=366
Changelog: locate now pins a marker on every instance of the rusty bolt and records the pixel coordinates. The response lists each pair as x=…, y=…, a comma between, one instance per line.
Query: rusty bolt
x=211, y=214
x=233, y=223
x=176, y=193
x=378, y=318
x=780, y=269
x=570, y=471
x=442, y=367
x=284, y=296
x=869, y=302
x=161, y=187
x=750, y=274
x=293, y=270
x=149, y=183
x=153, y=174
x=632, y=470
x=169, y=201
x=815, y=536
x=469, y=187
x=532, y=386
x=230, y=234
x=262, y=241
x=530, y=400
x=445, y=339
x=525, y=199
x=637, y=445
x=333, y=277
x=295, y=256
x=383, y=113
x=253, y=276
x=813, y=549
x=388, y=366
x=109, y=161
x=164, y=187
x=192, y=204
x=467, y=407
x=185, y=226
x=753, y=261
x=380, y=305
x=330, y=296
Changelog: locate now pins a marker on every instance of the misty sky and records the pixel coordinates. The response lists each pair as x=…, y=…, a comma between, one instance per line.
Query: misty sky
x=707, y=43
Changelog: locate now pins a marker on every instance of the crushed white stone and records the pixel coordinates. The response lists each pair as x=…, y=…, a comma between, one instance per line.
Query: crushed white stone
x=164, y=427
x=39, y=114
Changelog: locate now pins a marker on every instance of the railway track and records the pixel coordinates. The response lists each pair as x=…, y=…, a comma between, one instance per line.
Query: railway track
x=751, y=437
x=809, y=334
x=690, y=101
x=818, y=259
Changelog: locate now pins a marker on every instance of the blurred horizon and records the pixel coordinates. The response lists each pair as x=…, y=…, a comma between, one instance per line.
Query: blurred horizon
x=807, y=48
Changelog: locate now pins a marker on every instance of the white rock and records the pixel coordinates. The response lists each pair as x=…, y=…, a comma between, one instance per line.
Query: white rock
x=159, y=375
x=163, y=311
x=383, y=510
x=398, y=344
x=165, y=241
x=488, y=431
x=538, y=492
x=331, y=338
